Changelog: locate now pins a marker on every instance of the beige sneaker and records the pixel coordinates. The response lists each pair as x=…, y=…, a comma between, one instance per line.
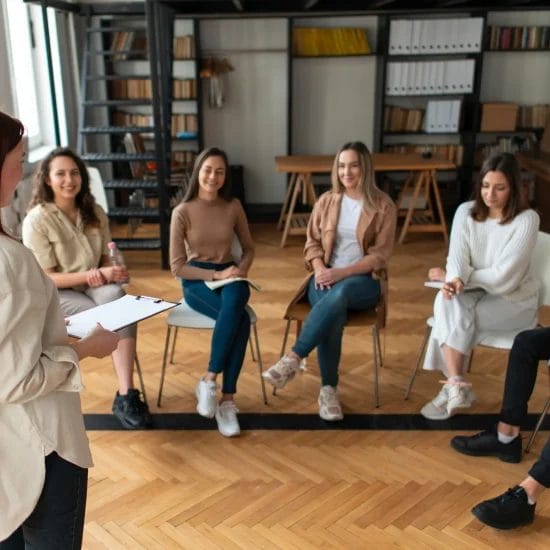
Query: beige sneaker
x=460, y=397
x=436, y=409
x=329, y=404
x=282, y=371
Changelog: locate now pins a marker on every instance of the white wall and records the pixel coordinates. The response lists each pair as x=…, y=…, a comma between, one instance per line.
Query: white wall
x=333, y=97
x=252, y=124
x=520, y=77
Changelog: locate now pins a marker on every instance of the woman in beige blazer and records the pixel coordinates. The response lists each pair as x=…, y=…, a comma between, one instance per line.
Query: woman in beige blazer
x=44, y=450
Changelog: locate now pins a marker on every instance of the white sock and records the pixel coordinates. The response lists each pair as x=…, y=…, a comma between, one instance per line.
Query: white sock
x=457, y=378
x=505, y=438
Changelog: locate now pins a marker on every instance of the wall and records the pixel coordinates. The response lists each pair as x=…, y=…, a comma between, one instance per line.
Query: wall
x=252, y=124
x=333, y=98
x=519, y=77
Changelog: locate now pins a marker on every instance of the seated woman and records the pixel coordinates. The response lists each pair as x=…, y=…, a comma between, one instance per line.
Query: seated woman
x=68, y=233
x=350, y=235
x=491, y=245
x=201, y=235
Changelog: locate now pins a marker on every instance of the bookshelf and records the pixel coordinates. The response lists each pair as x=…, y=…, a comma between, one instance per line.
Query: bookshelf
x=428, y=85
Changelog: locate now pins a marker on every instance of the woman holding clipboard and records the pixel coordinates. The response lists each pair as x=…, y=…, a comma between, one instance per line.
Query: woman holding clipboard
x=201, y=235
x=69, y=235
x=43, y=446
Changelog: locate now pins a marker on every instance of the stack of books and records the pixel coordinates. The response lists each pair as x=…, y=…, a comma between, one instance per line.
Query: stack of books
x=451, y=152
x=399, y=119
x=518, y=38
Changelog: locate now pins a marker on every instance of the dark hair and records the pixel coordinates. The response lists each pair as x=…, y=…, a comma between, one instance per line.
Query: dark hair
x=509, y=166
x=193, y=186
x=371, y=193
x=43, y=193
x=11, y=133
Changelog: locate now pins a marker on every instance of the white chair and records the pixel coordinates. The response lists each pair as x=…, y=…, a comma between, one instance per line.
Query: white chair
x=540, y=266
x=96, y=187
x=183, y=316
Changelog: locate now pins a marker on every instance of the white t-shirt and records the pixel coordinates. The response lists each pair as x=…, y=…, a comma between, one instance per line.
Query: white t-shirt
x=346, y=247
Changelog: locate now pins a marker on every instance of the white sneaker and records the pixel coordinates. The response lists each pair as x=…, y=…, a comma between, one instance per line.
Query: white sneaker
x=329, y=404
x=206, y=398
x=226, y=417
x=460, y=397
x=436, y=409
x=282, y=371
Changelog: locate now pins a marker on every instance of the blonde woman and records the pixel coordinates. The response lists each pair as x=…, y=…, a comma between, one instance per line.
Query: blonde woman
x=349, y=236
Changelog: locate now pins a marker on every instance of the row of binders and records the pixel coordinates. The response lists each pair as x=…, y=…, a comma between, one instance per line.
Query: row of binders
x=442, y=116
x=430, y=77
x=435, y=36
x=141, y=88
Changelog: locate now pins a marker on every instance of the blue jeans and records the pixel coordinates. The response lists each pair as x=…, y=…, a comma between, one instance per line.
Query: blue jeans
x=227, y=306
x=325, y=323
x=57, y=521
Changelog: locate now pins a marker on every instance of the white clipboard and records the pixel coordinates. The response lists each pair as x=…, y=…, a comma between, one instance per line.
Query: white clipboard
x=117, y=314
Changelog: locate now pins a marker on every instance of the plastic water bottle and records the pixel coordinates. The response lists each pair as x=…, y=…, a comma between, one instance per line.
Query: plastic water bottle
x=116, y=258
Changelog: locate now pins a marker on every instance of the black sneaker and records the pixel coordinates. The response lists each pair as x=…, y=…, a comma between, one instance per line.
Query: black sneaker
x=132, y=412
x=507, y=511
x=487, y=444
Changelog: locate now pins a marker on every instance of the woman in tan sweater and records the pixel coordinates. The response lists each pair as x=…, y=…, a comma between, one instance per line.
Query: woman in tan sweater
x=201, y=235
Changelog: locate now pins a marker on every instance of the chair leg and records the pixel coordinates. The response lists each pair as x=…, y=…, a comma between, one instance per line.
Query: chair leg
x=173, y=346
x=283, y=346
x=539, y=424
x=164, y=357
x=252, y=352
x=376, y=353
x=418, y=361
x=259, y=361
x=140, y=376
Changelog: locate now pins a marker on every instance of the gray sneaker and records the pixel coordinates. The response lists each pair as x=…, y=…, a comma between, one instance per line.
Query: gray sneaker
x=282, y=371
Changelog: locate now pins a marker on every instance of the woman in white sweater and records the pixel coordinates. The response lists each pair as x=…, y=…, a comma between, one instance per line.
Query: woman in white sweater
x=492, y=241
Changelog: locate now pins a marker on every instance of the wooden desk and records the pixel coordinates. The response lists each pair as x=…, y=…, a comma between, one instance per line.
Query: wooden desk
x=421, y=180
x=539, y=164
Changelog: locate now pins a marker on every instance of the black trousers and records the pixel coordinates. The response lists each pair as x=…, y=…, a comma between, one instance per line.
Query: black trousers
x=530, y=347
x=57, y=521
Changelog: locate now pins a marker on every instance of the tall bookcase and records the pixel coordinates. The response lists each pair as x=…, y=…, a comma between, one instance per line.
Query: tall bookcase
x=428, y=86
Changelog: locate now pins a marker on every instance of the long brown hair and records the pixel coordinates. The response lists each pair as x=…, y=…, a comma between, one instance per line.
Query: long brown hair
x=371, y=193
x=193, y=187
x=509, y=166
x=11, y=133
x=43, y=193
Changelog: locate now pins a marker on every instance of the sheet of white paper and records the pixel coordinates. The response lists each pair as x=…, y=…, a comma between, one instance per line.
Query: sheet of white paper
x=117, y=314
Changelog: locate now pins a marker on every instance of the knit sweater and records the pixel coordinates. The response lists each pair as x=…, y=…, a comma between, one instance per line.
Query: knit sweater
x=493, y=256
x=203, y=231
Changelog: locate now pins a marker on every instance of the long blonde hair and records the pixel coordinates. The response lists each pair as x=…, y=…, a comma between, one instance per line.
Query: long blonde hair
x=369, y=190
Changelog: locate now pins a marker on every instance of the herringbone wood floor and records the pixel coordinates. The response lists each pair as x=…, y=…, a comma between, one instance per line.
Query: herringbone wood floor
x=298, y=489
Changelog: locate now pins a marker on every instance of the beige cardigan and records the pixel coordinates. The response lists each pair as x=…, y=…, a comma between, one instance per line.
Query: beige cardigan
x=375, y=233
x=39, y=384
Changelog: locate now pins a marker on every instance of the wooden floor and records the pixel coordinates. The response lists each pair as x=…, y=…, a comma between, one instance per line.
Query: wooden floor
x=299, y=489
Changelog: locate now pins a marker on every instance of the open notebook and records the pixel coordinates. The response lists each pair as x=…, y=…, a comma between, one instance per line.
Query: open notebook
x=116, y=314
x=212, y=285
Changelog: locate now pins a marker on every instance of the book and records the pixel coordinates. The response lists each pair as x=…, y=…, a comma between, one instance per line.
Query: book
x=213, y=285
x=439, y=285
x=117, y=314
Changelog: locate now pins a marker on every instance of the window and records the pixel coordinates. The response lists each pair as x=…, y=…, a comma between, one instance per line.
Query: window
x=28, y=69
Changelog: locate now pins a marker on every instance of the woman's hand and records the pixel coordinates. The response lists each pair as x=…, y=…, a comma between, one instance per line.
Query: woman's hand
x=452, y=288
x=228, y=273
x=95, y=278
x=115, y=274
x=98, y=343
x=325, y=277
x=437, y=274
